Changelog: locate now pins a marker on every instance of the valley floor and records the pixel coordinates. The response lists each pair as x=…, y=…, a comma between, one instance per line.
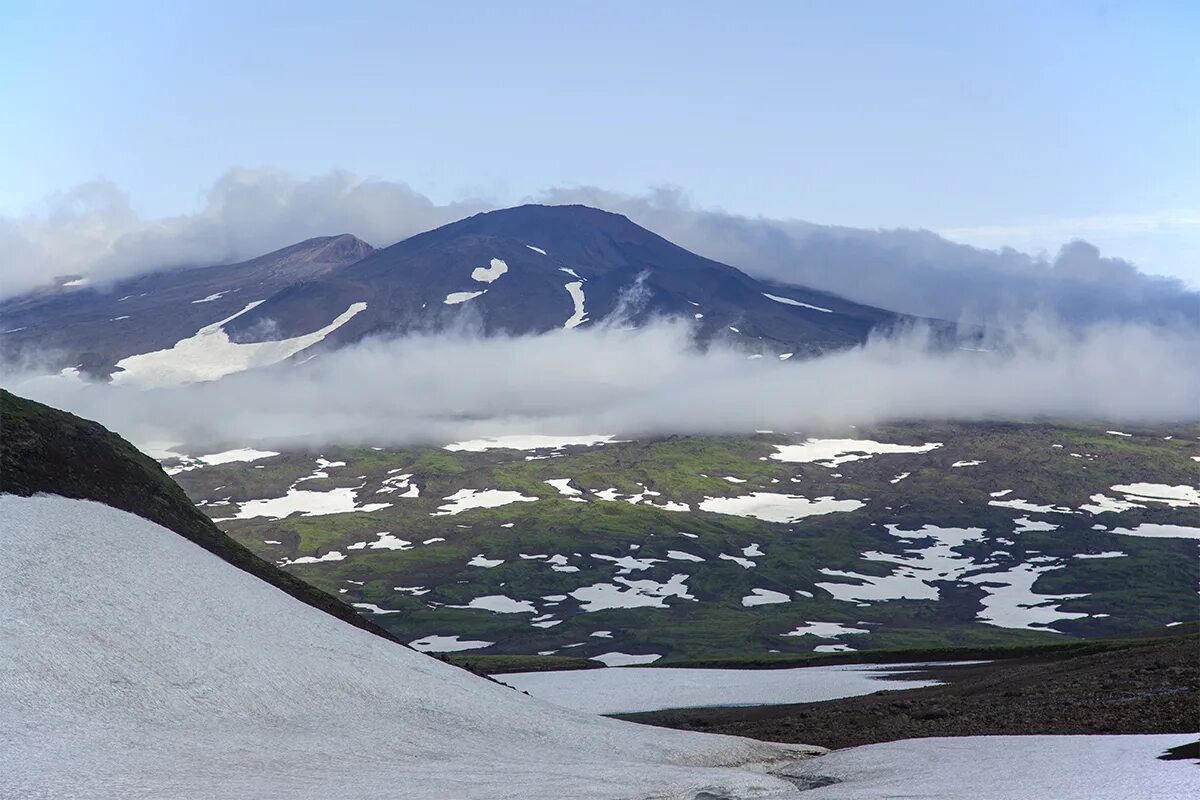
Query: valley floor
x=1150, y=689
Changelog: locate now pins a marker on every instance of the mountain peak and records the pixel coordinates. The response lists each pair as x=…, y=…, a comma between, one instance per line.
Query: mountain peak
x=549, y=223
x=342, y=249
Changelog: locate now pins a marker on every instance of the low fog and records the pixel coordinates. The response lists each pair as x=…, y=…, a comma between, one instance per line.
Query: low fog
x=651, y=381
x=93, y=231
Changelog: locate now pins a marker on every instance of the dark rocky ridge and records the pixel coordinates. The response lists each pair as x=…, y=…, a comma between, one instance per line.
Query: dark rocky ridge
x=626, y=269
x=1108, y=688
x=93, y=328
x=44, y=450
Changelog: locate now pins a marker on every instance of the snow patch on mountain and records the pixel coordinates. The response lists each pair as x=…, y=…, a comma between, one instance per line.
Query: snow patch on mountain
x=790, y=302
x=489, y=273
x=306, y=503
x=773, y=507
x=530, y=442
x=832, y=452
x=579, y=315
x=456, y=298
x=466, y=499
x=210, y=354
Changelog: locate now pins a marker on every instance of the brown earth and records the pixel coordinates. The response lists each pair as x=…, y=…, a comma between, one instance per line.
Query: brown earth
x=1151, y=688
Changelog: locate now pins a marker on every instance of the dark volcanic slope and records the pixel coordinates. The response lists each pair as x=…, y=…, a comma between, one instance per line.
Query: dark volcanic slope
x=530, y=269
x=617, y=266
x=1145, y=688
x=46, y=450
x=94, y=328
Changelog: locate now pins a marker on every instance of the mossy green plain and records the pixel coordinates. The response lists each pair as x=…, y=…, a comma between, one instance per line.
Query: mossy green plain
x=1152, y=584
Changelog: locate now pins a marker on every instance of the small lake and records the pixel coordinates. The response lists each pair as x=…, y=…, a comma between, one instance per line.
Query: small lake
x=630, y=689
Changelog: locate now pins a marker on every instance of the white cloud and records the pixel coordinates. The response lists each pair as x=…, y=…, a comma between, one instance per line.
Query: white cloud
x=93, y=231
x=438, y=389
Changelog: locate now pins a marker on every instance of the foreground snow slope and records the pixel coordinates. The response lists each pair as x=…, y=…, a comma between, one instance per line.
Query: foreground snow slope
x=134, y=664
x=1011, y=768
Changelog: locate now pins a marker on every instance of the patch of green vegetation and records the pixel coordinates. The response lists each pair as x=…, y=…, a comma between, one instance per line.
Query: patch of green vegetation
x=1154, y=583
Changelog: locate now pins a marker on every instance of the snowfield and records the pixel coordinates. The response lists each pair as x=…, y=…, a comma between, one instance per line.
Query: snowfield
x=629, y=689
x=833, y=452
x=1009, y=768
x=134, y=664
x=210, y=354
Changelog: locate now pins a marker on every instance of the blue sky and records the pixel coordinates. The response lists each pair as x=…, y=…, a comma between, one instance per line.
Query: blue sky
x=999, y=122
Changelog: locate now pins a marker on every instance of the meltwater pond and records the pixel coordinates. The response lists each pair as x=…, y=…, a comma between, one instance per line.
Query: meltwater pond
x=623, y=690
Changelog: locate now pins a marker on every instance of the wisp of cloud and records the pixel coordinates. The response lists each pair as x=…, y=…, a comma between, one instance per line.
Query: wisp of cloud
x=435, y=389
x=93, y=231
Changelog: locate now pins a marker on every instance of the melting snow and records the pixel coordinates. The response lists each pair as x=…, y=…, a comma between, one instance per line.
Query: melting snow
x=931, y=559
x=1175, y=496
x=579, y=315
x=771, y=507
x=564, y=487
x=306, y=503
x=467, y=499
x=385, y=541
x=762, y=597
x=1025, y=505
x=374, y=609
x=446, y=644
x=1150, y=530
x=1102, y=503
x=530, y=442
x=636, y=594
x=241, y=454
x=455, y=298
x=210, y=354
x=789, y=301
x=632, y=689
x=1011, y=602
x=1095, y=767
x=628, y=564
x=824, y=630
x=480, y=560
x=615, y=659
x=833, y=452
x=966, y=463
x=536, y=249
x=332, y=555
x=489, y=273
x=1025, y=525
x=209, y=299
x=500, y=604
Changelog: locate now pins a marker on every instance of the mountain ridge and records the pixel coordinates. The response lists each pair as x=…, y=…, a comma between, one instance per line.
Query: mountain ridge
x=47, y=451
x=524, y=270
